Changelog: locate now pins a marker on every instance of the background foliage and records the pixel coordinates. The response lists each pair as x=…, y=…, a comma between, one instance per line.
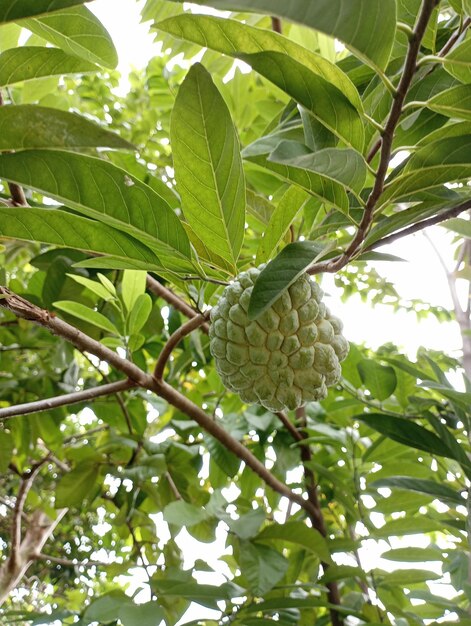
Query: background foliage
x=125, y=215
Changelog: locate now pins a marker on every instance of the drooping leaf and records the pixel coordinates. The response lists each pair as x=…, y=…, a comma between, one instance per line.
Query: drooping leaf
x=105, y=192
x=262, y=566
x=78, y=32
x=86, y=314
x=12, y=10
x=420, y=485
x=406, y=432
x=59, y=228
x=379, y=379
x=24, y=126
x=367, y=26
x=241, y=40
x=454, y=102
x=300, y=534
x=31, y=62
x=208, y=167
x=280, y=273
x=287, y=209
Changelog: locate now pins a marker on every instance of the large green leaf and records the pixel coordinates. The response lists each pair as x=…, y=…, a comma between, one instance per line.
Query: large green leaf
x=59, y=228
x=208, y=166
x=262, y=566
x=30, y=62
x=368, y=27
x=287, y=209
x=454, y=102
x=147, y=614
x=75, y=487
x=299, y=533
x=241, y=40
x=379, y=379
x=433, y=165
x=33, y=126
x=105, y=192
x=406, y=432
x=78, y=32
x=280, y=273
x=344, y=166
x=420, y=485
x=458, y=62
x=11, y=10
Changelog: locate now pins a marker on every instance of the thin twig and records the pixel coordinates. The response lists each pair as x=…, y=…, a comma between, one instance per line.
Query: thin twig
x=276, y=25
x=66, y=399
x=69, y=562
x=174, y=340
x=455, y=37
x=290, y=427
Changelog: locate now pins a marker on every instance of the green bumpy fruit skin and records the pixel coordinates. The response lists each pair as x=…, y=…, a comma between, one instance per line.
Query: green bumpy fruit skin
x=286, y=357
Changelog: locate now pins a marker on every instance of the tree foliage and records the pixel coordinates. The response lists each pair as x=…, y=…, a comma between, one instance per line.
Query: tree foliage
x=121, y=219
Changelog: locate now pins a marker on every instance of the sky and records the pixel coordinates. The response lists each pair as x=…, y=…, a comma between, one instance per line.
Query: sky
x=420, y=276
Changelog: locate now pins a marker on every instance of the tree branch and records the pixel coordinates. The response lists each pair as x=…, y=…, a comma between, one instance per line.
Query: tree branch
x=337, y=263
x=276, y=25
x=66, y=399
x=69, y=562
x=174, y=340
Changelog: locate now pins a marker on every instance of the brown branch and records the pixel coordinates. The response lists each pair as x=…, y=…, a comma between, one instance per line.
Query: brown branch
x=276, y=25
x=290, y=427
x=66, y=399
x=410, y=64
x=174, y=340
x=169, y=296
x=173, y=487
x=455, y=38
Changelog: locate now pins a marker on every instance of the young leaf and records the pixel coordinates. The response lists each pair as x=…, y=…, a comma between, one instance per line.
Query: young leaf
x=95, y=287
x=240, y=40
x=368, y=27
x=64, y=229
x=25, y=126
x=31, y=62
x=87, y=315
x=105, y=192
x=379, y=379
x=139, y=313
x=12, y=10
x=280, y=273
x=287, y=209
x=77, y=32
x=208, y=166
x=132, y=286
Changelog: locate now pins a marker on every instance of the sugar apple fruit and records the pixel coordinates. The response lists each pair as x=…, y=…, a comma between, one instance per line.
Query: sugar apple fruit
x=286, y=357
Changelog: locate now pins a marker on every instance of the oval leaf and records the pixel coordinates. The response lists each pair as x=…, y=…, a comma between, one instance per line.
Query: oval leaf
x=12, y=10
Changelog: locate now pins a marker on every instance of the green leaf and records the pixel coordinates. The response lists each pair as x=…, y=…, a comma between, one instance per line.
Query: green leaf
x=78, y=32
x=454, y=102
x=183, y=513
x=434, y=164
x=262, y=566
x=208, y=166
x=300, y=534
x=228, y=462
x=105, y=192
x=247, y=525
x=107, y=607
x=32, y=126
x=132, y=286
x=97, y=288
x=431, y=487
x=344, y=166
x=6, y=450
x=241, y=40
x=413, y=555
x=57, y=227
x=407, y=577
x=87, y=315
x=31, y=62
x=458, y=225
x=458, y=62
x=12, y=10
x=280, y=273
x=148, y=614
x=406, y=432
x=407, y=526
x=140, y=313
x=379, y=379
x=75, y=486
x=288, y=207
x=368, y=27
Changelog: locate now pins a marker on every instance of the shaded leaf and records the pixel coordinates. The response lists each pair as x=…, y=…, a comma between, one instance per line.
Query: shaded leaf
x=75, y=486
x=280, y=273
x=12, y=10
x=367, y=26
x=78, y=32
x=379, y=379
x=147, y=614
x=32, y=126
x=31, y=62
x=208, y=167
x=300, y=534
x=458, y=61
x=262, y=566
x=6, y=450
x=420, y=485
